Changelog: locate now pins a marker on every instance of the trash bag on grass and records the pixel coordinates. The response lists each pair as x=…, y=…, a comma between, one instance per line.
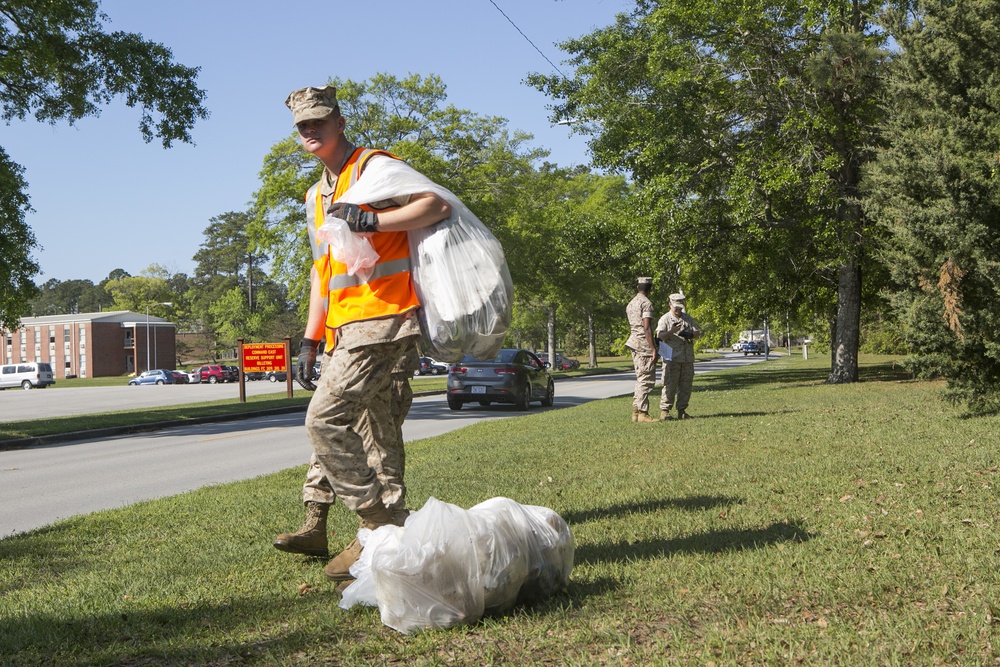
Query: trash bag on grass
x=448, y=566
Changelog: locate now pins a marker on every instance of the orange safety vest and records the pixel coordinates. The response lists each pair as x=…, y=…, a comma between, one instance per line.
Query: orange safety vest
x=389, y=290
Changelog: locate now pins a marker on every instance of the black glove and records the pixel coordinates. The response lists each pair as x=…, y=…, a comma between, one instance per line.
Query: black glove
x=686, y=334
x=357, y=219
x=307, y=359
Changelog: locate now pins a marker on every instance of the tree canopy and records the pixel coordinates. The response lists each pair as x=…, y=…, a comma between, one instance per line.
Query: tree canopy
x=58, y=63
x=935, y=188
x=744, y=127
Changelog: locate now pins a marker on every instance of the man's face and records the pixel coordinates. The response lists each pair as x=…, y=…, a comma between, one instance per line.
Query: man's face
x=323, y=137
x=677, y=307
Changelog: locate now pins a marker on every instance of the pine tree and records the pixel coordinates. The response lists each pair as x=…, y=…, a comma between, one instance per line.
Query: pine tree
x=936, y=188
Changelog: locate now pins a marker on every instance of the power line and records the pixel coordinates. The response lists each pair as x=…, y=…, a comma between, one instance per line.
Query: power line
x=529, y=41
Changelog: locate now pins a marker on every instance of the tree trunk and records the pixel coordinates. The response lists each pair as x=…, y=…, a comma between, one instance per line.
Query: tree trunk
x=591, y=340
x=846, y=337
x=552, y=334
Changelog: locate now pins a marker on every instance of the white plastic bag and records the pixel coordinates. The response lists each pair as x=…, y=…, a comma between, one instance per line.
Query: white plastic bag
x=449, y=566
x=353, y=250
x=457, y=265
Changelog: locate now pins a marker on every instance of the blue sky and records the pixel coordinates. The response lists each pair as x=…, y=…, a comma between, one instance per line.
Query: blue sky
x=103, y=199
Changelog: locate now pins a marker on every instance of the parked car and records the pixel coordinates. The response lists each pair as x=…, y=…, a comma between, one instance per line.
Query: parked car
x=180, y=377
x=213, y=373
x=232, y=373
x=253, y=376
x=155, y=376
x=26, y=375
x=429, y=366
x=194, y=376
x=562, y=363
x=514, y=376
x=277, y=376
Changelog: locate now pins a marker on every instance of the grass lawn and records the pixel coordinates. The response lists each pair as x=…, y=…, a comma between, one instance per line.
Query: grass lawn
x=790, y=522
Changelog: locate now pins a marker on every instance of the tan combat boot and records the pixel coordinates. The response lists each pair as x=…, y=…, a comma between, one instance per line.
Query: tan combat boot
x=640, y=416
x=665, y=415
x=310, y=539
x=339, y=569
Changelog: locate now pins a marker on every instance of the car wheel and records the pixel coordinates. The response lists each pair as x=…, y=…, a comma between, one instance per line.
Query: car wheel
x=454, y=403
x=212, y=379
x=26, y=385
x=550, y=395
x=524, y=400
x=159, y=382
x=273, y=378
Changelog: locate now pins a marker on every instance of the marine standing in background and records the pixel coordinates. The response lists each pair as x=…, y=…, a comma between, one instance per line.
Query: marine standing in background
x=678, y=330
x=642, y=344
x=370, y=326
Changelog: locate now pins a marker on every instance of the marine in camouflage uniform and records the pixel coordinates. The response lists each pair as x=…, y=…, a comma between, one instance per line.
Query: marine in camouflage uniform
x=389, y=464
x=354, y=418
x=678, y=330
x=641, y=343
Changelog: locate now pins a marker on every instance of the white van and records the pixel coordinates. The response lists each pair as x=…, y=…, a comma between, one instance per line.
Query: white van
x=26, y=375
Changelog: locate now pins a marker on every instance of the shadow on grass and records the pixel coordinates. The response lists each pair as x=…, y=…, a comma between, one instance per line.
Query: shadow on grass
x=691, y=504
x=165, y=636
x=713, y=542
x=797, y=377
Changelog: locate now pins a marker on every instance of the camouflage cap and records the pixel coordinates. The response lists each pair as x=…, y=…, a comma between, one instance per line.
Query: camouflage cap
x=677, y=297
x=310, y=103
x=644, y=280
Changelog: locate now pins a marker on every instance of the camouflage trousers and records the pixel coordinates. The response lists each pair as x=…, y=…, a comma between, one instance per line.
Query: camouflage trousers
x=678, y=377
x=645, y=379
x=354, y=424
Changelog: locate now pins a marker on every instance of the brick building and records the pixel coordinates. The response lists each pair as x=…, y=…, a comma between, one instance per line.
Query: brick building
x=93, y=344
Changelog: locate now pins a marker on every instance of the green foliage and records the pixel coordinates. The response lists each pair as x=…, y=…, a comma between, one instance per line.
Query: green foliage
x=234, y=319
x=57, y=63
x=17, y=242
x=744, y=126
x=69, y=296
x=135, y=293
x=935, y=189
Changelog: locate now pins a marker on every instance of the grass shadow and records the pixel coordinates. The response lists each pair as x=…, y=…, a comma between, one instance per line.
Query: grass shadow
x=796, y=377
x=690, y=504
x=164, y=636
x=713, y=542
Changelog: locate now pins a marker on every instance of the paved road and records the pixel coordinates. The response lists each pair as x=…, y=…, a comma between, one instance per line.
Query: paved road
x=92, y=475
x=17, y=404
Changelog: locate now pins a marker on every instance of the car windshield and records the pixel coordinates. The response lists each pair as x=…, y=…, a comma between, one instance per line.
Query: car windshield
x=504, y=357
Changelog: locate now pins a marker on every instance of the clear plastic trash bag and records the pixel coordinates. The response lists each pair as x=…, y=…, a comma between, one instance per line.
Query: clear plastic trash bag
x=353, y=250
x=457, y=265
x=449, y=566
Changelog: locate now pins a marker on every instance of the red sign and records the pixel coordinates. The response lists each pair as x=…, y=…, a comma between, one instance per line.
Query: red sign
x=264, y=357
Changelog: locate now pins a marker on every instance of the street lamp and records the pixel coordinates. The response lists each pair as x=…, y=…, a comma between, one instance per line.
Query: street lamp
x=161, y=303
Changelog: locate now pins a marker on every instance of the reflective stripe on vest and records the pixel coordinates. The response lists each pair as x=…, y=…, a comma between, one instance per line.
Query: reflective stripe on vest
x=380, y=270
